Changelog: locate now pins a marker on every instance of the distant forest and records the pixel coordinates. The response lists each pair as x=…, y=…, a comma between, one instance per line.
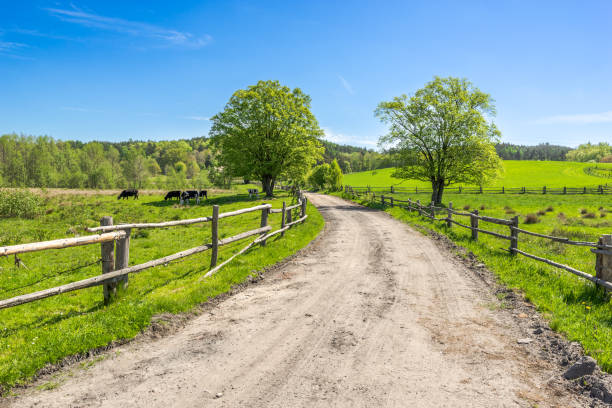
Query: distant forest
x=544, y=151
x=28, y=161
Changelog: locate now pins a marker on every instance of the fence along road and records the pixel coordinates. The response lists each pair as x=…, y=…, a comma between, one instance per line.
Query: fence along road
x=371, y=314
x=602, y=248
x=115, y=262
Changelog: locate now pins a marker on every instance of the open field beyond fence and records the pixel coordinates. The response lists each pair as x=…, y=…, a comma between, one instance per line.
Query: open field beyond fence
x=532, y=175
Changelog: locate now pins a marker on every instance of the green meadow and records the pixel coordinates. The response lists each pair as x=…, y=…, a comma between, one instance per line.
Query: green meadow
x=43, y=332
x=572, y=305
x=514, y=173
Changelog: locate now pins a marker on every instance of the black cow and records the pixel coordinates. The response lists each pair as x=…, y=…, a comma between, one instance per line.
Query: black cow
x=173, y=194
x=253, y=192
x=204, y=193
x=128, y=193
x=189, y=194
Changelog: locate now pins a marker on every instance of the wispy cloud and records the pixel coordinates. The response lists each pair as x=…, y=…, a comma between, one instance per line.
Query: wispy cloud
x=346, y=139
x=79, y=109
x=196, y=117
x=134, y=28
x=583, y=118
x=346, y=85
x=11, y=49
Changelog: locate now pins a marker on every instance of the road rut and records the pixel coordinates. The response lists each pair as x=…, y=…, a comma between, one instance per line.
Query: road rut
x=373, y=314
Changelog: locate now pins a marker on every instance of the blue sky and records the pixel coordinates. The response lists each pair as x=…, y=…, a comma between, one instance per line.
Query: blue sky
x=159, y=69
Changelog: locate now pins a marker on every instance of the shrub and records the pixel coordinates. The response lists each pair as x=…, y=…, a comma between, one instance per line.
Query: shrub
x=588, y=215
x=584, y=211
x=20, y=203
x=549, y=209
x=510, y=211
x=531, y=219
x=482, y=207
x=466, y=207
x=541, y=212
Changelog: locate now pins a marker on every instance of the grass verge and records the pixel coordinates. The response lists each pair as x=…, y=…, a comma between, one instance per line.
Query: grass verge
x=46, y=331
x=572, y=306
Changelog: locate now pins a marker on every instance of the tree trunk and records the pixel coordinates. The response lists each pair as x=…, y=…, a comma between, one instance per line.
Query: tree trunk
x=267, y=184
x=437, y=189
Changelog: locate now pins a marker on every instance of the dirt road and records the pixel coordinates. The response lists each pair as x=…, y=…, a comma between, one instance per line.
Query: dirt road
x=373, y=314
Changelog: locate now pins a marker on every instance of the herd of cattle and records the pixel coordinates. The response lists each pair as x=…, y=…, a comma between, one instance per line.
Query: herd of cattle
x=179, y=195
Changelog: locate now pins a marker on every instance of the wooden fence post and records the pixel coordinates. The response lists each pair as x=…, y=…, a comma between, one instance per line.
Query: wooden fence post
x=289, y=217
x=409, y=205
x=480, y=189
x=418, y=205
x=107, y=255
x=264, y=222
x=603, y=262
x=382, y=198
x=392, y=190
x=584, y=191
x=474, y=224
x=214, y=225
x=564, y=190
x=449, y=223
x=391, y=202
x=432, y=210
x=514, y=234
x=122, y=255
x=304, y=202
x=459, y=189
x=544, y=190
x=416, y=190
x=503, y=190
x=283, y=217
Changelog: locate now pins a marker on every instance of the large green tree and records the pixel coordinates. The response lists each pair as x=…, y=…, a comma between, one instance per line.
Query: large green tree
x=442, y=134
x=265, y=132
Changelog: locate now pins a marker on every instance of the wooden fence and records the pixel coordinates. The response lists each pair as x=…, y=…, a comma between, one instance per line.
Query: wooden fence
x=600, y=189
x=602, y=249
x=114, y=243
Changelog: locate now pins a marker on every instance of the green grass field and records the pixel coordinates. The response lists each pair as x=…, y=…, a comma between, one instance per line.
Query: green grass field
x=572, y=305
x=48, y=330
x=515, y=174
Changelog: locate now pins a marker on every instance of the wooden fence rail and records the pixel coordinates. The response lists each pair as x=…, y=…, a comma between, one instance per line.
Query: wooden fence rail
x=599, y=189
x=602, y=249
x=115, y=267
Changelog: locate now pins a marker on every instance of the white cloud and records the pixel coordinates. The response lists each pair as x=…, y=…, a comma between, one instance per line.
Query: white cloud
x=583, y=118
x=345, y=139
x=346, y=85
x=134, y=28
x=11, y=49
x=196, y=117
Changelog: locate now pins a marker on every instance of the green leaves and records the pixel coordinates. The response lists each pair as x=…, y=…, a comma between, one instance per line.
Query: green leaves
x=267, y=131
x=442, y=134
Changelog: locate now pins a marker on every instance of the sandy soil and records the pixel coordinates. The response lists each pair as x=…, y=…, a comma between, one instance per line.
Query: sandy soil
x=373, y=314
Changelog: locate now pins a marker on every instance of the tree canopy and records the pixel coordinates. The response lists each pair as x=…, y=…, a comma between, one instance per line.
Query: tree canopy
x=442, y=134
x=265, y=132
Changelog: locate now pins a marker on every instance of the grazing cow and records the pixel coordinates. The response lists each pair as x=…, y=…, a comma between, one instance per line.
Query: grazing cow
x=253, y=192
x=173, y=194
x=128, y=193
x=204, y=193
x=189, y=194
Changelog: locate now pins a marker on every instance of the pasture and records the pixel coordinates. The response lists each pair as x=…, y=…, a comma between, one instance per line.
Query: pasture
x=46, y=331
x=573, y=306
x=515, y=173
